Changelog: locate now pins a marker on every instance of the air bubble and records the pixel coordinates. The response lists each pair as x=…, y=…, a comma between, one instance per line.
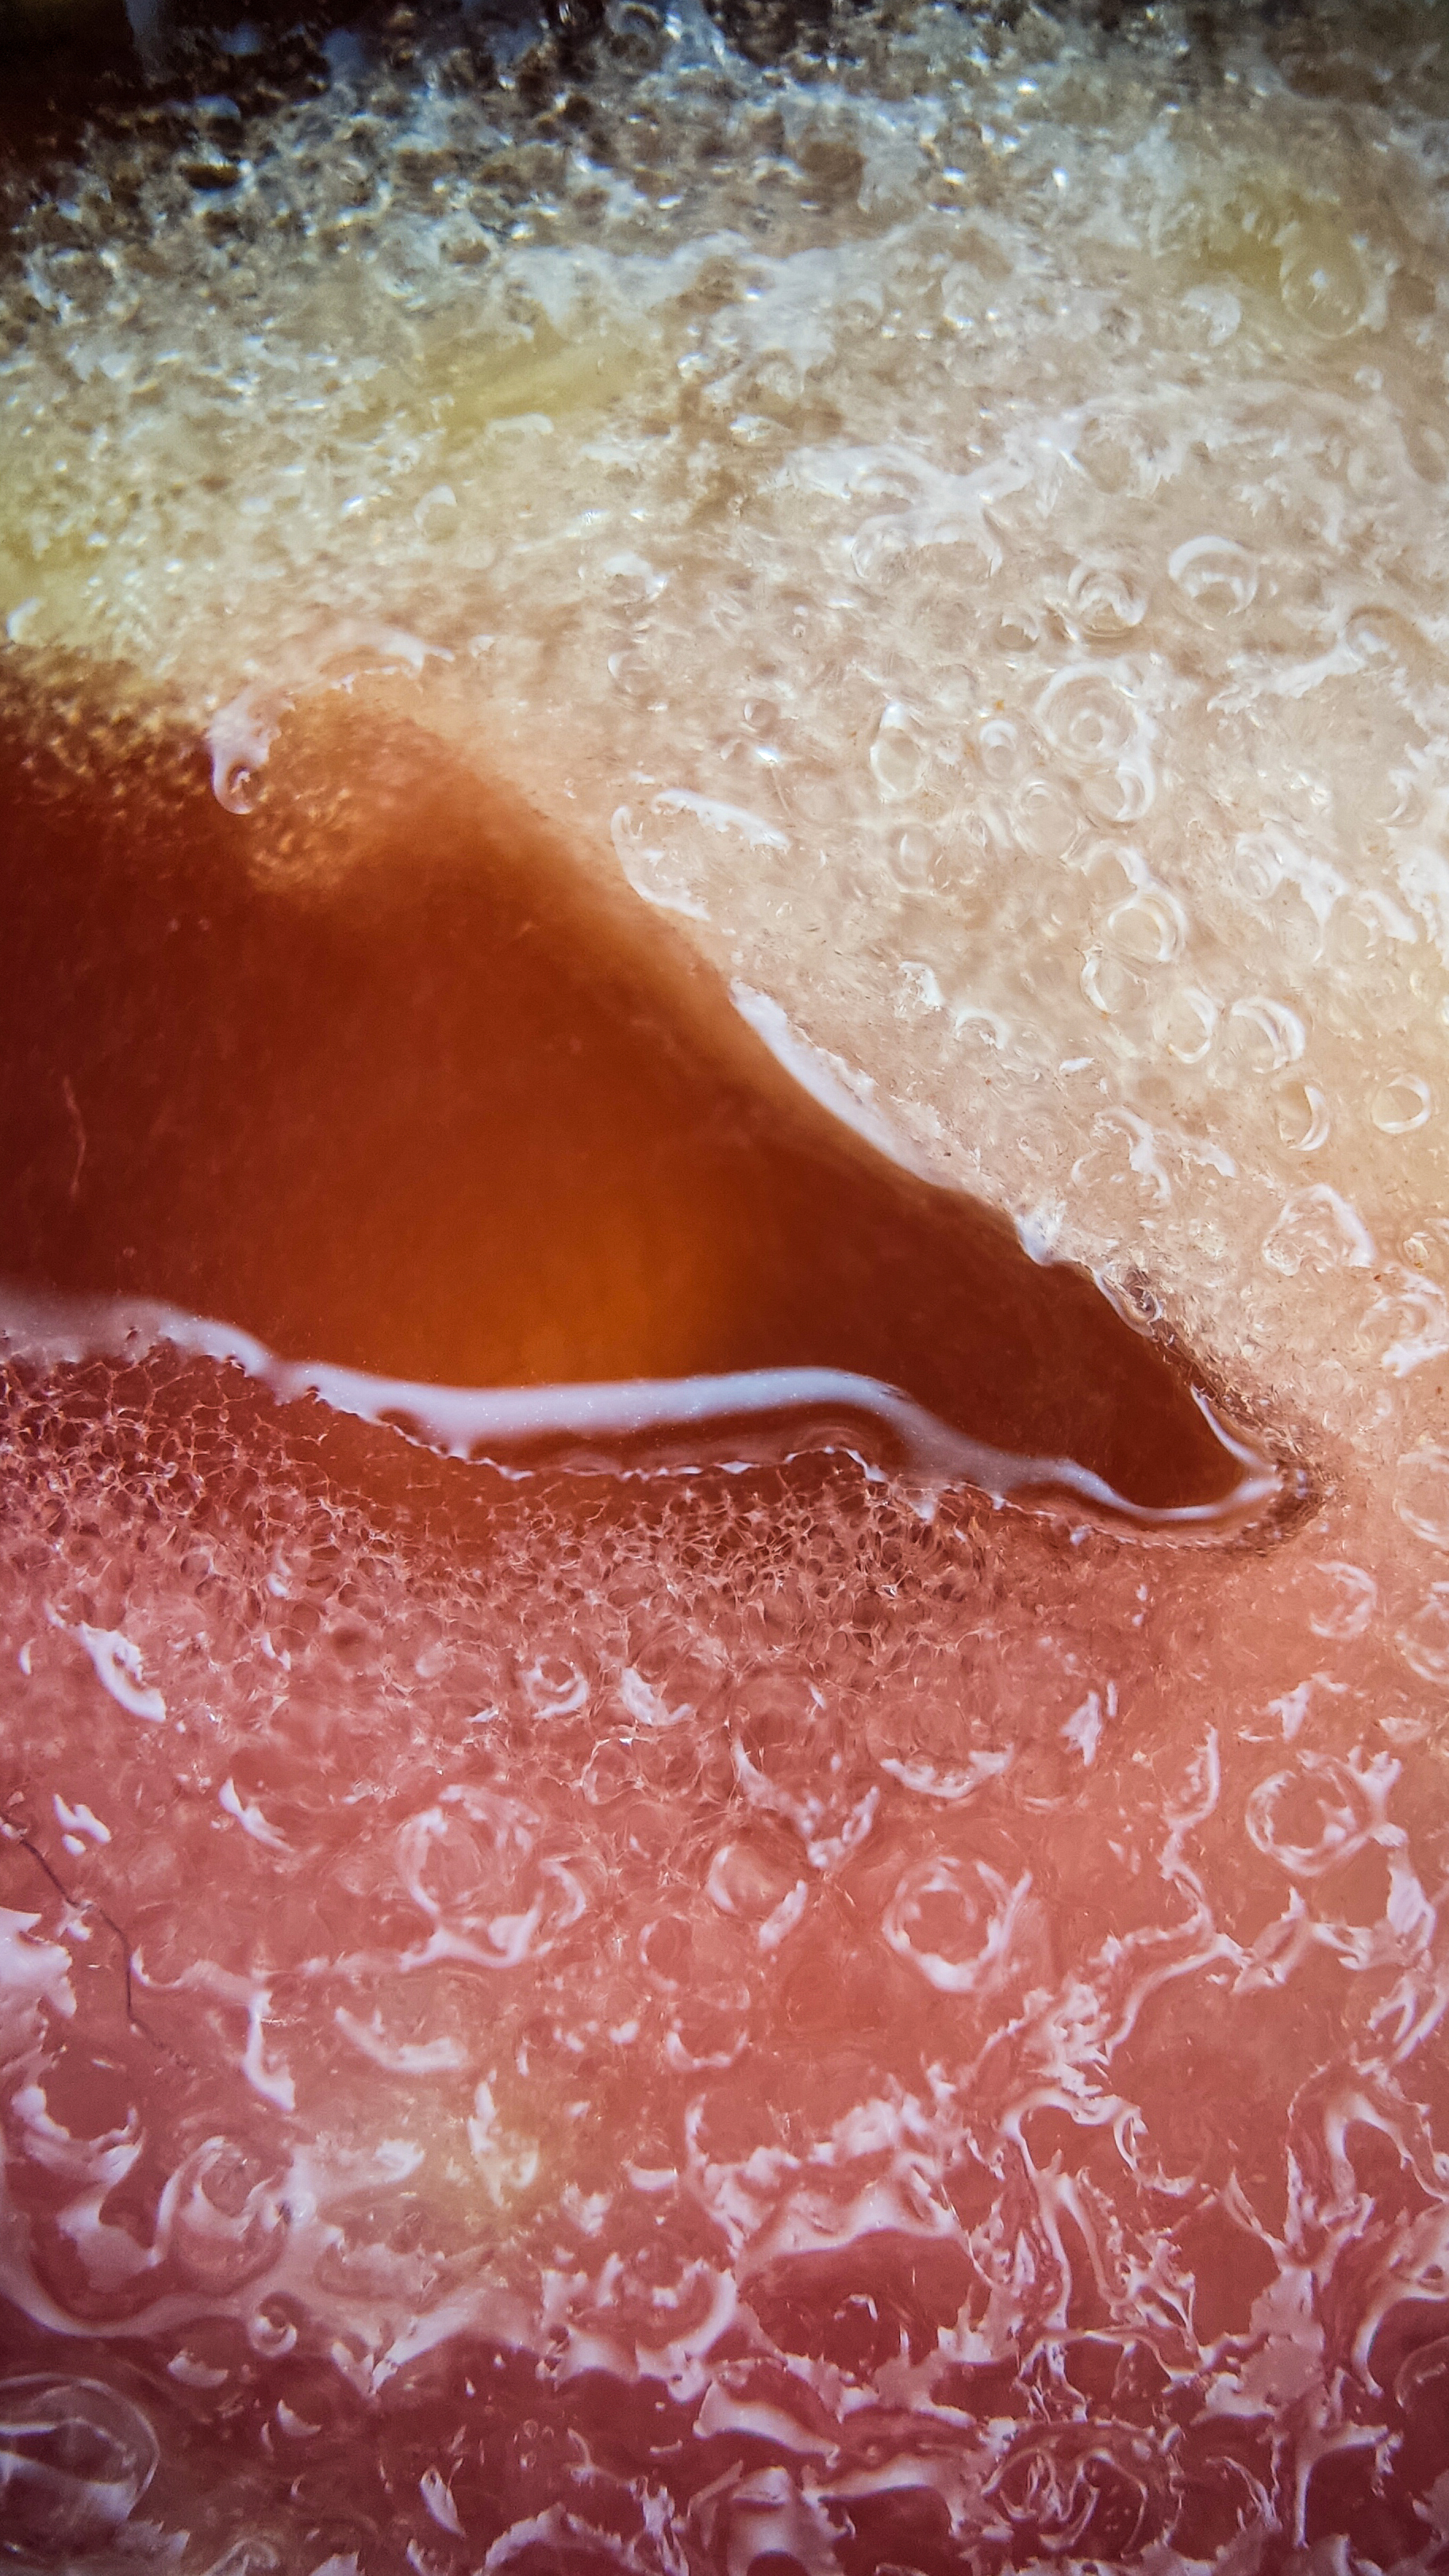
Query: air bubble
x=897, y=758
x=1087, y=717
x=1423, y=1641
x=635, y=674
x=1387, y=633
x=956, y=1922
x=1105, y=600
x=1401, y=1104
x=1322, y=281
x=1342, y=1601
x=75, y=2461
x=658, y=872
x=472, y=1869
x=881, y=551
x=1148, y=929
x=1111, y=986
x=1317, y=1230
x=222, y=2216
x=756, y=1879
x=1407, y=1324
x=1114, y=870
x=1268, y=1036
x=555, y=1686
x=1421, y=1492
x=999, y=745
x=1083, y=2494
x=1124, y=795
x=1186, y=1024
x=1044, y=819
x=916, y=860
x=1316, y=1817
x=1123, y=459
x=1217, y=576
x=271, y=2332
x=1018, y=633
x=630, y=582
x=1300, y=1114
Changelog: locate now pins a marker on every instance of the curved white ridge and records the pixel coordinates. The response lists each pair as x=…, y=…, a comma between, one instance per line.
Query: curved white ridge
x=51, y=1330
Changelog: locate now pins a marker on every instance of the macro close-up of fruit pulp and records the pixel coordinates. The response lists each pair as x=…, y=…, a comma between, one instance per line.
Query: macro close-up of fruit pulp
x=724, y=1314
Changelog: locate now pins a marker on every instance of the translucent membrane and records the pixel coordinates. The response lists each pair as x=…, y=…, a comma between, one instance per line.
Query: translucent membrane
x=753, y=2008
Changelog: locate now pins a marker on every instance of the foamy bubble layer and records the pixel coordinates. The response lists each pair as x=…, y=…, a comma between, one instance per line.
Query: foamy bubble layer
x=906, y=2020
x=771, y=1413
x=716, y=2019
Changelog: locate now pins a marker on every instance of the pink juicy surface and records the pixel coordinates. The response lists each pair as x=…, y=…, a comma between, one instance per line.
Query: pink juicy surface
x=699, y=2023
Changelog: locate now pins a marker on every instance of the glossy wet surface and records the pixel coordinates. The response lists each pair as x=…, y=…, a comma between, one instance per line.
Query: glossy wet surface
x=378, y=1075
x=748, y=2010
x=711, y=2012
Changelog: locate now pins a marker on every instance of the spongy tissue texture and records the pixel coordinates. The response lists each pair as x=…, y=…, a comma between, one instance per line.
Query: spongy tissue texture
x=719, y=2019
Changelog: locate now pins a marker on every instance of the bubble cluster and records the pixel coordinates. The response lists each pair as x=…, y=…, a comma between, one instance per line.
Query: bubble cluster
x=711, y=2020
x=717, y=1954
